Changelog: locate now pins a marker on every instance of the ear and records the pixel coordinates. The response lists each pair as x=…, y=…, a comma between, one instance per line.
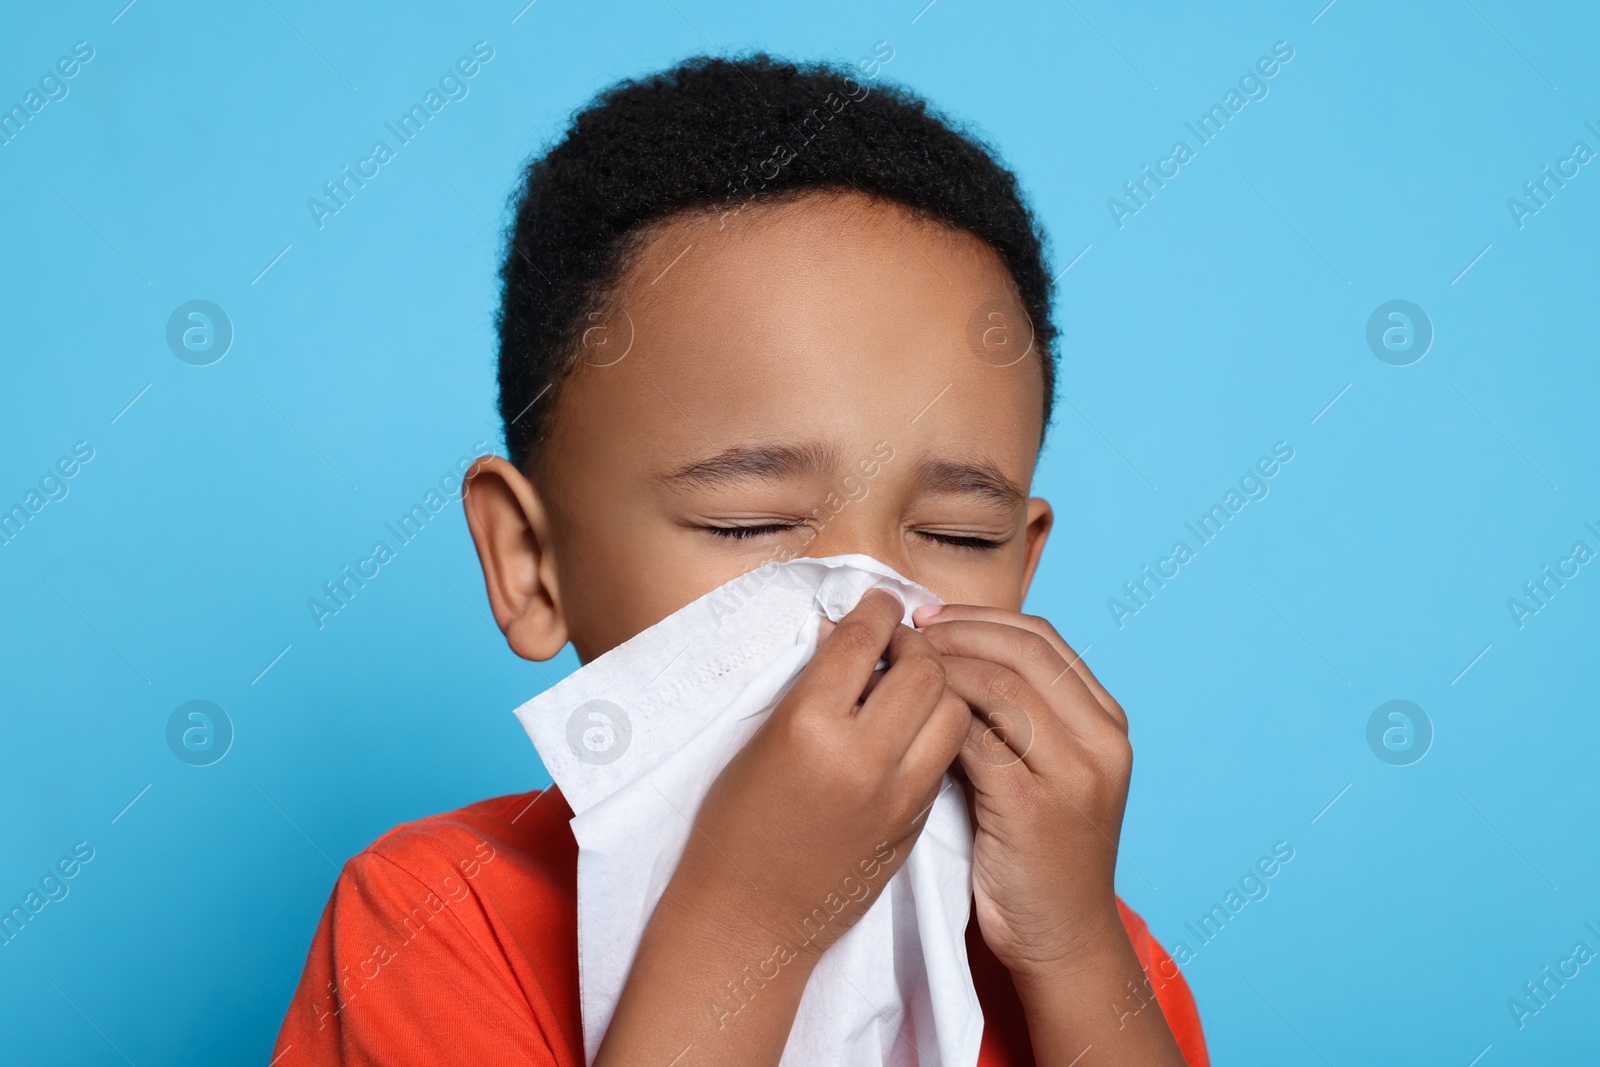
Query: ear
x=511, y=530
x=1040, y=519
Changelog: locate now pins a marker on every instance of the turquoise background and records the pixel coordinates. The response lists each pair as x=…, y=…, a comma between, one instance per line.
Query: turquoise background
x=1226, y=315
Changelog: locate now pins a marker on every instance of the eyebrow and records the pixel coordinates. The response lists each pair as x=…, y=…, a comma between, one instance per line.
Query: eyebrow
x=773, y=463
x=766, y=463
x=983, y=480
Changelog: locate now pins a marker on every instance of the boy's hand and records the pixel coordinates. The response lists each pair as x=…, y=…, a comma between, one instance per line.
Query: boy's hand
x=821, y=806
x=829, y=795
x=1048, y=757
x=1049, y=761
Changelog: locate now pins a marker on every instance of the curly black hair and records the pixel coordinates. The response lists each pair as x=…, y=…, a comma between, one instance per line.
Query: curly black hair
x=717, y=133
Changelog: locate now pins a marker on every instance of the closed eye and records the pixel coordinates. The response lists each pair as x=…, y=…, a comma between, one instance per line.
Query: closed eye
x=747, y=531
x=739, y=533
x=982, y=544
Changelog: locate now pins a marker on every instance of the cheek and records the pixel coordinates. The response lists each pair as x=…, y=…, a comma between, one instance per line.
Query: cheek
x=621, y=589
x=990, y=579
x=628, y=576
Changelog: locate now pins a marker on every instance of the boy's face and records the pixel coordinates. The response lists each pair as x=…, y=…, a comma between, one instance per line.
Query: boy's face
x=808, y=379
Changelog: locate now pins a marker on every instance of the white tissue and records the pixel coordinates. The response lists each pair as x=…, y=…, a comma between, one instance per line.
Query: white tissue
x=634, y=740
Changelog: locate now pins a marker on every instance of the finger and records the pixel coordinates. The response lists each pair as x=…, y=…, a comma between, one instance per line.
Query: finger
x=906, y=694
x=1014, y=726
x=825, y=627
x=1035, y=660
x=989, y=765
x=1071, y=660
x=873, y=681
x=937, y=744
x=1033, y=623
x=844, y=661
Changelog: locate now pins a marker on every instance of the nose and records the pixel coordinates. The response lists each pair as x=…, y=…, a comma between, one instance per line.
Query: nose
x=864, y=534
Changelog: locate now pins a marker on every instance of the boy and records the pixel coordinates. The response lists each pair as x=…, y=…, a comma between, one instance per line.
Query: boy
x=756, y=311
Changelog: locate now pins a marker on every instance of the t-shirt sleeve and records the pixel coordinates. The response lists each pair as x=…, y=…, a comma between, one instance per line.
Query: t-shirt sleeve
x=1171, y=991
x=399, y=973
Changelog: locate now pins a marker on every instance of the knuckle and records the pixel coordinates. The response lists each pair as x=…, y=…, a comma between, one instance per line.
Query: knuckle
x=1113, y=755
x=799, y=733
x=1015, y=734
x=1044, y=626
x=1120, y=748
x=856, y=635
x=1036, y=649
x=953, y=706
x=923, y=671
x=959, y=732
x=1003, y=687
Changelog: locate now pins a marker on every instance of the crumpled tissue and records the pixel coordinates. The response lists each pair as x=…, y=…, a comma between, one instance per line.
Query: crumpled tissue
x=634, y=740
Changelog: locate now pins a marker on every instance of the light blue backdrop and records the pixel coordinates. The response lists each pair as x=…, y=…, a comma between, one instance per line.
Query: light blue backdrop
x=1228, y=313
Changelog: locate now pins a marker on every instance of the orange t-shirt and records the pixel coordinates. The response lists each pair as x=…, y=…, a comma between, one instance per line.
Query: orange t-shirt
x=454, y=939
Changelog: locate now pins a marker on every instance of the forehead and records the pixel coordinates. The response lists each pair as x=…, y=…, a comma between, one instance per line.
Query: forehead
x=831, y=315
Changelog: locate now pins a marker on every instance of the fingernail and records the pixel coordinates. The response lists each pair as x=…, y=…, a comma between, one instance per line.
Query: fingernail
x=923, y=614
